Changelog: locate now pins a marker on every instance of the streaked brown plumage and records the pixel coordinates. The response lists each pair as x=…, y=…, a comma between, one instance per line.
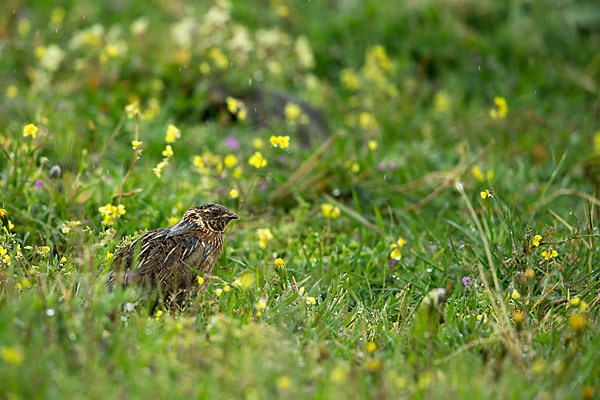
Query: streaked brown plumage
x=171, y=258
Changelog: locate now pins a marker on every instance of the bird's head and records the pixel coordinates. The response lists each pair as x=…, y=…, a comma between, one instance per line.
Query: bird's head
x=213, y=217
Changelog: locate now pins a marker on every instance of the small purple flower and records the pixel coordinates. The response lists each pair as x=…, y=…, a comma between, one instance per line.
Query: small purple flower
x=265, y=299
x=232, y=143
x=466, y=280
x=283, y=159
x=393, y=166
x=392, y=263
x=358, y=238
x=532, y=188
x=39, y=184
x=262, y=187
x=431, y=247
x=381, y=166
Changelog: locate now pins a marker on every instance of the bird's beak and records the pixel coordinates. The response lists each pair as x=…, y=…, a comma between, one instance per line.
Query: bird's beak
x=234, y=216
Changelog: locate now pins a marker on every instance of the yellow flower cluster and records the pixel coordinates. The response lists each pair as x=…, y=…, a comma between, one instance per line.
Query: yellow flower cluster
x=152, y=111
x=132, y=109
x=245, y=281
x=536, y=240
x=396, y=254
x=478, y=174
x=12, y=355
x=441, y=101
x=280, y=141
x=501, y=108
x=264, y=236
x=67, y=225
x=367, y=121
x=257, y=160
x=173, y=133
x=220, y=59
x=30, y=130
x=136, y=144
x=4, y=256
x=329, y=211
x=294, y=115
x=236, y=107
x=110, y=213
x=549, y=254
x=349, y=79
x=377, y=68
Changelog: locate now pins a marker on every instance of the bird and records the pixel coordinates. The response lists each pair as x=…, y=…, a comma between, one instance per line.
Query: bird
x=171, y=259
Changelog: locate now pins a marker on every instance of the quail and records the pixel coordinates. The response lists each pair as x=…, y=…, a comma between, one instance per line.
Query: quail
x=170, y=259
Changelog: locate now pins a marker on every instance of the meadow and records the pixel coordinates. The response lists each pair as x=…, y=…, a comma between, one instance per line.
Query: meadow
x=418, y=185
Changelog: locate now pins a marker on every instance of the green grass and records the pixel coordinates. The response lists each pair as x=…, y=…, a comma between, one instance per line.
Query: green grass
x=340, y=319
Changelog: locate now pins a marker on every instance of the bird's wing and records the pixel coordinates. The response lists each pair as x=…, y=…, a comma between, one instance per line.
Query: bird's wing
x=162, y=251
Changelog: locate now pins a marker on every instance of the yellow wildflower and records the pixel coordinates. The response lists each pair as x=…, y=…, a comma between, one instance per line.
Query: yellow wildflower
x=200, y=280
x=395, y=254
x=283, y=382
x=230, y=161
x=257, y=160
x=219, y=58
x=136, y=144
x=264, y=236
x=280, y=141
x=132, y=109
x=219, y=292
x=173, y=220
x=226, y=288
x=478, y=174
x=237, y=172
x=326, y=209
x=367, y=121
x=401, y=242
x=529, y=273
x=349, y=79
x=577, y=322
x=173, y=133
x=536, y=240
x=501, y=108
x=204, y=68
x=234, y=194
x=110, y=213
x=30, y=130
x=372, y=145
x=12, y=91
x=371, y=347
x=40, y=51
x=311, y=300
x=515, y=295
x=549, y=253
x=159, y=167
x=279, y=262
x=292, y=113
x=441, y=101
x=168, y=151
x=490, y=175
x=485, y=194
x=518, y=317
x=373, y=364
x=12, y=355
x=261, y=304
x=258, y=143
x=158, y=314
x=109, y=255
x=574, y=301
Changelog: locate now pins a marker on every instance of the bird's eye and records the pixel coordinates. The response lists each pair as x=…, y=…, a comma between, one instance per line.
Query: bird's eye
x=215, y=212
